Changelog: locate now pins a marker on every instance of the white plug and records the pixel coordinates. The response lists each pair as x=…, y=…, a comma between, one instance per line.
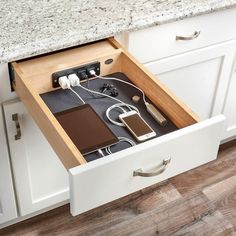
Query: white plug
x=64, y=82
x=92, y=72
x=74, y=80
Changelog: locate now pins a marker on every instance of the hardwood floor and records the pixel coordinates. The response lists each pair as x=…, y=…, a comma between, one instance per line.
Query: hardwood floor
x=199, y=202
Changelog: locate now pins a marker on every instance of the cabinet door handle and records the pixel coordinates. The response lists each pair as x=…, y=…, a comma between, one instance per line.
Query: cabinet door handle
x=15, y=118
x=160, y=170
x=195, y=35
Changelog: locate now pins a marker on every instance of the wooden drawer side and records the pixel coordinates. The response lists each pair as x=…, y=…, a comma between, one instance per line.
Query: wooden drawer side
x=56, y=136
x=160, y=95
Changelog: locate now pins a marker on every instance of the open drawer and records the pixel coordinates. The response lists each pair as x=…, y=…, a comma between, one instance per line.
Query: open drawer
x=95, y=183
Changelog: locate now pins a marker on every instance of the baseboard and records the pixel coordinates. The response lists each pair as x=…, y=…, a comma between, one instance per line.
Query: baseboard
x=22, y=218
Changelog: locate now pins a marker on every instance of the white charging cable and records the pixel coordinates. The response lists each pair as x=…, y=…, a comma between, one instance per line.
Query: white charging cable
x=151, y=109
x=121, y=139
x=106, y=95
x=119, y=106
x=75, y=81
x=93, y=73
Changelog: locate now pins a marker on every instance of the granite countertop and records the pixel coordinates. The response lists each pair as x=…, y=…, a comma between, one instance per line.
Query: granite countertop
x=30, y=28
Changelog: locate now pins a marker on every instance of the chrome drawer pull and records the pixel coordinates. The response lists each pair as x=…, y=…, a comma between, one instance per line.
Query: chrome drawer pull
x=195, y=35
x=15, y=118
x=160, y=170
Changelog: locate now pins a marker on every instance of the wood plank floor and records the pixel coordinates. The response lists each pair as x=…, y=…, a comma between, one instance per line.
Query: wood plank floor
x=199, y=202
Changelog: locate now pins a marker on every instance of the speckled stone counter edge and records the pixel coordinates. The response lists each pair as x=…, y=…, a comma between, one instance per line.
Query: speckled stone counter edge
x=13, y=54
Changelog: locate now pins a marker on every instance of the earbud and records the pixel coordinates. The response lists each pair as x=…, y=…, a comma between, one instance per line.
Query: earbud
x=106, y=87
x=109, y=87
x=114, y=92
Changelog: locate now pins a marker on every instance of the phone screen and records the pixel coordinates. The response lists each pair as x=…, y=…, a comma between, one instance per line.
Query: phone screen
x=86, y=129
x=137, y=125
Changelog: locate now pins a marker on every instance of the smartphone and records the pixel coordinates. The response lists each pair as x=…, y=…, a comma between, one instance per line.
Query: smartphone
x=137, y=126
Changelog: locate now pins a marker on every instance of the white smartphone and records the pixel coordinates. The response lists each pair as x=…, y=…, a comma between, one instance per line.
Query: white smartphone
x=137, y=125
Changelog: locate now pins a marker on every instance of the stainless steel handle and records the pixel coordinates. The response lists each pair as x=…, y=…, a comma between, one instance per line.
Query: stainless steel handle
x=15, y=118
x=195, y=35
x=160, y=170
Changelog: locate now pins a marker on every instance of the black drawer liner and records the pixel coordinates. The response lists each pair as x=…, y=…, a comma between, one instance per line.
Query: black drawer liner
x=60, y=100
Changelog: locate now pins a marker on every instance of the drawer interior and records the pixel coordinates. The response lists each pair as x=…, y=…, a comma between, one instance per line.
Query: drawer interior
x=60, y=100
x=32, y=82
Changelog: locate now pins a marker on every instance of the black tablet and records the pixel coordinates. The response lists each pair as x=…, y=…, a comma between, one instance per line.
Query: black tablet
x=86, y=129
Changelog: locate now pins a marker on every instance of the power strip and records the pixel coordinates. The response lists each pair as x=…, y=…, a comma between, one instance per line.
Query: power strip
x=81, y=71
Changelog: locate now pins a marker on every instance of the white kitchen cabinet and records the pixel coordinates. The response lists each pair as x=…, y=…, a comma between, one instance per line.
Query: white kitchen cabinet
x=95, y=183
x=40, y=179
x=200, y=77
x=8, y=209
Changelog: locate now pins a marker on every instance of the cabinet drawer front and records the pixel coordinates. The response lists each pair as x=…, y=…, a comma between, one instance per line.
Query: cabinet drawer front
x=40, y=179
x=112, y=177
x=160, y=41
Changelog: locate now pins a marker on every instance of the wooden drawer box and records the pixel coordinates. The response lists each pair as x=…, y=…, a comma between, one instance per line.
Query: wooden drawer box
x=98, y=182
x=160, y=41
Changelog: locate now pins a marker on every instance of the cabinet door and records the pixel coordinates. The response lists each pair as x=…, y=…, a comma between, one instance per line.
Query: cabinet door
x=199, y=77
x=7, y=197
x=40, y=178
x=230, y=108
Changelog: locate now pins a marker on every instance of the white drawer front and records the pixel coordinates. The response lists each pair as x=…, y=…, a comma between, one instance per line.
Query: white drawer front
x=110, y=178
x=160, y=41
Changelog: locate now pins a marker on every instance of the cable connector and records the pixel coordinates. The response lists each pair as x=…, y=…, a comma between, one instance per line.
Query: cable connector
x=64, y=82
x=92, y=73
